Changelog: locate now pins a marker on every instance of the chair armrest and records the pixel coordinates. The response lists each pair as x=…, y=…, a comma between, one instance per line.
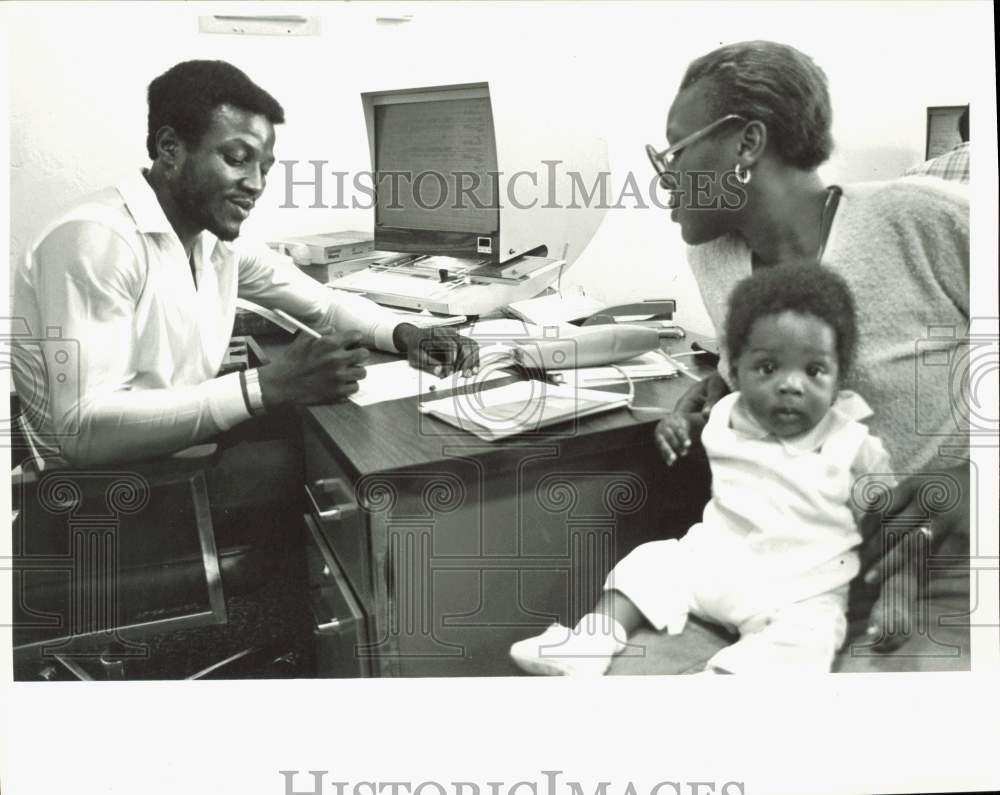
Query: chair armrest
x=154, y=472
x=257, y=355
x=178, y=466
x=242, y=354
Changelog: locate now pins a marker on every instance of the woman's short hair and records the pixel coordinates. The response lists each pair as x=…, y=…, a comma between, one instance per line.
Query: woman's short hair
x=777, y=85
x=811, y=290
x=185, y=96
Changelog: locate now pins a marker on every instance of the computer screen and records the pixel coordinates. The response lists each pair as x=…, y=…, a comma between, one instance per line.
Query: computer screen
x=484, y=173
x=444, y=158
x=435, y=161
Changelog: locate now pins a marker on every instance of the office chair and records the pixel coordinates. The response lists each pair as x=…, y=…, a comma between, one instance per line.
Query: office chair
x=118, y=573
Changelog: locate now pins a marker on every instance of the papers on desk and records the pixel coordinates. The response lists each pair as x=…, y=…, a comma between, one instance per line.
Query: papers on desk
x=652, y=365
x=395, y=380
x=425, y=319
x=522, y=407
x=551, y=309
x=387, y=282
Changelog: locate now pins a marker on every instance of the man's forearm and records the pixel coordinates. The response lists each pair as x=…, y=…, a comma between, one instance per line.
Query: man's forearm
x=271, y=279
x=126, y=425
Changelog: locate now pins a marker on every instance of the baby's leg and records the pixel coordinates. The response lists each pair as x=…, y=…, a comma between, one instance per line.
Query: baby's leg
x=802, y=637
x=638, y=587
x=586, y=649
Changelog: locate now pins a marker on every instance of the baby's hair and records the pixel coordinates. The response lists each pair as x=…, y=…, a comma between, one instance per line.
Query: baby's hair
x=807, y=290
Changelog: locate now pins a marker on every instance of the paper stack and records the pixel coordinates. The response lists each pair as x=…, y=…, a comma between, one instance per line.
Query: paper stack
x=652, y=365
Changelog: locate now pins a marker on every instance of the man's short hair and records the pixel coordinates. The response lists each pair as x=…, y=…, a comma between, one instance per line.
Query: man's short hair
x=775, y=84
x=185, y=96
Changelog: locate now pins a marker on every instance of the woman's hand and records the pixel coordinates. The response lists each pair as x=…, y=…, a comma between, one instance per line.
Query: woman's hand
x=925, y=513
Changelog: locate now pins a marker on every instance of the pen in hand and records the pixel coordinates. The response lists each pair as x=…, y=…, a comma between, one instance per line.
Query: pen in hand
x=298, y=324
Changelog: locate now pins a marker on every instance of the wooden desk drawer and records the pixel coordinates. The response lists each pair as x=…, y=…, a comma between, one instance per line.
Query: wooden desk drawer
x=331, y=499
x=340, y=623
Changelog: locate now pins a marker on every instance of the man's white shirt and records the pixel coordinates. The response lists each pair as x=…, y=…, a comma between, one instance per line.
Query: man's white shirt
x=122, y=348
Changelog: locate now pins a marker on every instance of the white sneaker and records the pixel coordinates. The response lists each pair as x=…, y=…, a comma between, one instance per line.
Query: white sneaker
x=560, y=651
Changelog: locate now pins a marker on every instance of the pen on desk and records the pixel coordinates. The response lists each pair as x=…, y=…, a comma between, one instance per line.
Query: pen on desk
x=298, y=324
x=457, y=283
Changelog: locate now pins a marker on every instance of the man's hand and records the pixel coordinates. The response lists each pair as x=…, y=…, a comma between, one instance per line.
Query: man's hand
x=438, y=350
x=700, y=398
x=942, y=498
x=315, y=370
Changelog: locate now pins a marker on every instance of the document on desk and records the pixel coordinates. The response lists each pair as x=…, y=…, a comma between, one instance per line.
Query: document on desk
x=396, y=380
x=522, y=407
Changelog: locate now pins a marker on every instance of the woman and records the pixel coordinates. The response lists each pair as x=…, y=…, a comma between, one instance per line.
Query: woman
x=750, y=125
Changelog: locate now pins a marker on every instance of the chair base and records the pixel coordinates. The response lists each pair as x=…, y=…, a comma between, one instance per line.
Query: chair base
x=268, y=635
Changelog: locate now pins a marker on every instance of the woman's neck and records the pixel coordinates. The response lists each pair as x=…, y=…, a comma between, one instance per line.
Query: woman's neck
x=783, y=222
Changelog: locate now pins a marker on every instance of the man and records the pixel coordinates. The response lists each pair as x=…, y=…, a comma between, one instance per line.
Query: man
x=142, y=279
x=953, y=164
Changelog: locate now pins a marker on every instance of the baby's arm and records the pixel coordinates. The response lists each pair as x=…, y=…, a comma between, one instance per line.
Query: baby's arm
x=681, y=428
x=872, y=459
x=673, y=435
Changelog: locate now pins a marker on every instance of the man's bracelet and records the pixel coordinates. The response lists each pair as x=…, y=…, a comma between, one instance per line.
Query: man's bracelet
x=252, y=396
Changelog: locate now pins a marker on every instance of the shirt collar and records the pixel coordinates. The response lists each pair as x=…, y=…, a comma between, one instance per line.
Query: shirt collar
x=848, y=407
x=140, y=198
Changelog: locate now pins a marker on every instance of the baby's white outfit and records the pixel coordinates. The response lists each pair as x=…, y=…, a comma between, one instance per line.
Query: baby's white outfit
x=774, y=552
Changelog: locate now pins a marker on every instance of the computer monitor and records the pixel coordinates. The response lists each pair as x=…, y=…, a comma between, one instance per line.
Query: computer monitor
x=435, y=172
x=481, y=171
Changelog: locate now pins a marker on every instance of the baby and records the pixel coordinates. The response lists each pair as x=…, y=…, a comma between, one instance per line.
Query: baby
x=775, y=550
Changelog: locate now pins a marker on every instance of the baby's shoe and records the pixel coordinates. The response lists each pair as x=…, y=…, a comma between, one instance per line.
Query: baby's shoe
x=560, y=651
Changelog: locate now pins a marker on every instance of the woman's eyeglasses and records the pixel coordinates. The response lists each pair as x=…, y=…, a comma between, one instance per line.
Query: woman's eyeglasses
x=662, y=160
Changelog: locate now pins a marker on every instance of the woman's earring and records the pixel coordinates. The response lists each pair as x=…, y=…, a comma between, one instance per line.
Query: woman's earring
x=742, y=177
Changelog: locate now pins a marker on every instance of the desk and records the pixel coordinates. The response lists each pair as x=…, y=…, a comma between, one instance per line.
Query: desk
x=454, y=547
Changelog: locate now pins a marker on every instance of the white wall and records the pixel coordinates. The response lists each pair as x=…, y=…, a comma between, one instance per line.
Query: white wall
x=79, y=74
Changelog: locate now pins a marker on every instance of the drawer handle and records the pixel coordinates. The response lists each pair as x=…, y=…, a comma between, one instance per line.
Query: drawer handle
x=336, y=493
